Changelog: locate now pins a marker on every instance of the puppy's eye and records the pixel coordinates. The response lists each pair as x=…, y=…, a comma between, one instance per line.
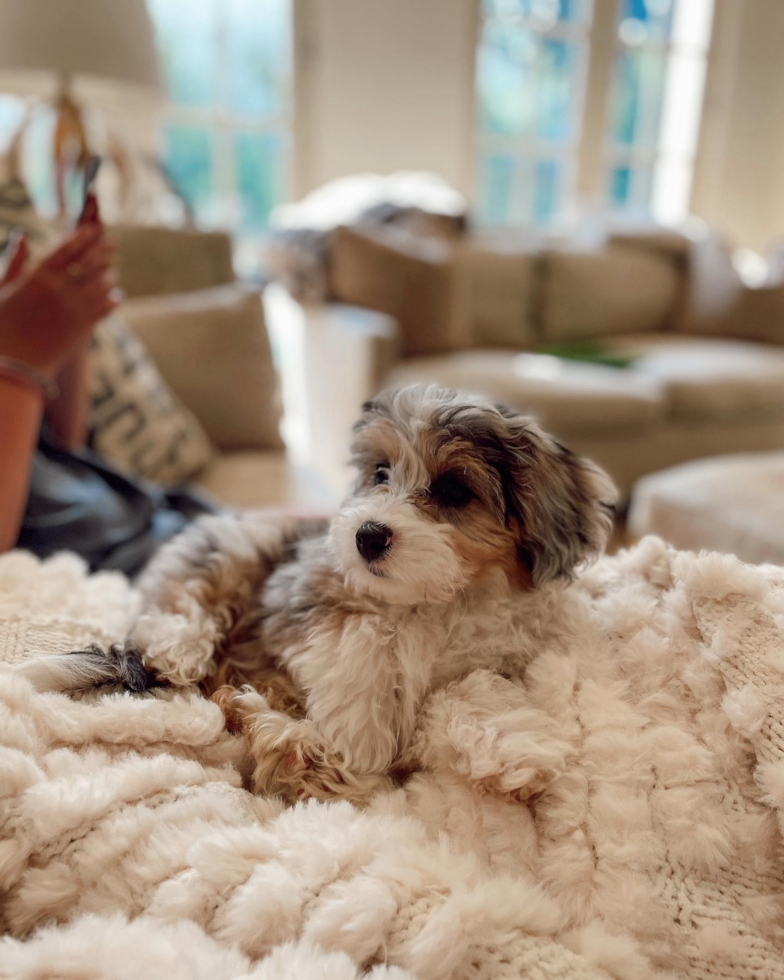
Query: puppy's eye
x=449, y=491
x=381, y=474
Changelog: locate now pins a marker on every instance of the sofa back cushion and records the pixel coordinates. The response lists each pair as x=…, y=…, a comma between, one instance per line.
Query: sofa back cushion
x=153, y=261
x=499, y=273
x=212, y=348
x=718, y=303
x=615, y=290
x=415, y=280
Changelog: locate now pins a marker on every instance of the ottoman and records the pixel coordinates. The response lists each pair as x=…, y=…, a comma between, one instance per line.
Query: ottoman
x=732, y=504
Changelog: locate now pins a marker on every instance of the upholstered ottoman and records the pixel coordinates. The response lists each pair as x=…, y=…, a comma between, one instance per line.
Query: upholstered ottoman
x=733, y=504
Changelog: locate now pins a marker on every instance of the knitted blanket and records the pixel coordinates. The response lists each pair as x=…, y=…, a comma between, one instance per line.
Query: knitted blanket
x=617, y=813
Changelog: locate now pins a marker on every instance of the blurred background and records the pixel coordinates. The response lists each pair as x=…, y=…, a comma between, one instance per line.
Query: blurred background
x=572, y=206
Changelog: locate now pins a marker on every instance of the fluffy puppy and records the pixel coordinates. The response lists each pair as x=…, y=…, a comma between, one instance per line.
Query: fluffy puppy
x=460, y=509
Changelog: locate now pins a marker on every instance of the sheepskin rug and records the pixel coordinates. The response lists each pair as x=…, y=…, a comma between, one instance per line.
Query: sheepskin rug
x=616, y=812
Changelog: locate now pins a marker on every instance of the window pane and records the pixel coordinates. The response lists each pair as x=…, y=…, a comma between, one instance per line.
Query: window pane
x=258, y=57
x=620, y=185
x=549, y=176
x=188, y=158
x=574, y=10
x=259, y=177
x=526, y=84
x=542, y=11
x=506, y=69
x=630, y=187
x=515, y=192
x=645, y=21
x=496, y=187
x=185, y=31
x=637, y=98
x=557, y=69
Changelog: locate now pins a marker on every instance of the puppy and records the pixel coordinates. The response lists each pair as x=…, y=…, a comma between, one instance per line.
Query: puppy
x=460, y=509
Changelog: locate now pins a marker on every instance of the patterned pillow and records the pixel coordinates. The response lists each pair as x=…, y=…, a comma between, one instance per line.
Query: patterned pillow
x=137, y=423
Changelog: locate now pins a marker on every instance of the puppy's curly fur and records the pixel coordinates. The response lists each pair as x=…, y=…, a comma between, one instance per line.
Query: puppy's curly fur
x=322, y=641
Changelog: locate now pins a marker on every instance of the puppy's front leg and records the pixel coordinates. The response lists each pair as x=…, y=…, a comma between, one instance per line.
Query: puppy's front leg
x=290, y=758
x=202, y=590
x=484, y=728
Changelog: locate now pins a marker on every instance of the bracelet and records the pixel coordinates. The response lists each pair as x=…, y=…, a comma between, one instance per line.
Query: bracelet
x=21, y=372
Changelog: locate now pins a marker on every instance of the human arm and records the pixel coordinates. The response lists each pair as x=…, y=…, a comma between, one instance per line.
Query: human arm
x=46, y=315
x=68, y=413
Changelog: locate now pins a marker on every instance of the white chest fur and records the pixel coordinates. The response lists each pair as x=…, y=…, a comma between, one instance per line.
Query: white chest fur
x=365, y=674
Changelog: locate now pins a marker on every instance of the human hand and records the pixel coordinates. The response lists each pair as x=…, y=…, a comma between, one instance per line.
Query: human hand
x=46, y=311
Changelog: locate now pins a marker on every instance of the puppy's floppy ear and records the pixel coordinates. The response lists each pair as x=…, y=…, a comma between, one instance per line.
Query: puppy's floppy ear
x=563, y=505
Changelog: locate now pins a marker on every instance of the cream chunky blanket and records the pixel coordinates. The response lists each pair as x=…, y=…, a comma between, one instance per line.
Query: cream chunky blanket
x=646, y=743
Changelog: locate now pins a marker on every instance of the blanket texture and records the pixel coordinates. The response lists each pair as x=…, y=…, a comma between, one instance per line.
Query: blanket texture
x=614, y=813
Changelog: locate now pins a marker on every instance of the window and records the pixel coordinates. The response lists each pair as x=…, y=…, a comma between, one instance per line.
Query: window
x=226, y=134
x=657, y=100
x=531, y=66
x=532, y=88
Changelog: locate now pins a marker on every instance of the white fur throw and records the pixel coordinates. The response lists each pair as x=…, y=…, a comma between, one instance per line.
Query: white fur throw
x=647, y=741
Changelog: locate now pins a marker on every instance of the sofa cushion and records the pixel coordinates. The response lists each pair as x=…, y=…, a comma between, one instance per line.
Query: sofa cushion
x=615, y=290
x=415, y=280
x=703, y=378
x=559, y=393
x=718, y=303
x=266, y=478
x=212, y=347
x=499, y=274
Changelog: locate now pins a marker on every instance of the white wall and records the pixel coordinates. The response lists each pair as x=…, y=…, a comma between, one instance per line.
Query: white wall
x=739, y=177
x=363, y=107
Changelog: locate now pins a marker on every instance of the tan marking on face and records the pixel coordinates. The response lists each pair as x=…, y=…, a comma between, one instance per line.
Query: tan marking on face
x=484, y=546
x=483, y=541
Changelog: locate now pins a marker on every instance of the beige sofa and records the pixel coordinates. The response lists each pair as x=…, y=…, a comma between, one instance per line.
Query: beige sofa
x=706, y=352
x=206, y=333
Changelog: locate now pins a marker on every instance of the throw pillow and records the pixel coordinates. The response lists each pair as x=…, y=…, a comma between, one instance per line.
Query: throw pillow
x=415, y=280
x=137, y=423
x=212, y=347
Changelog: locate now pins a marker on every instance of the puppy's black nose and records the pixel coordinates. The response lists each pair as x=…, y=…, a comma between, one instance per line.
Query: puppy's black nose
x=373, y=540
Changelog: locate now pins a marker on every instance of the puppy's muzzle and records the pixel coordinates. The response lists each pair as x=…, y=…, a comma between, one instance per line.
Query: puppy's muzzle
x=373, y=540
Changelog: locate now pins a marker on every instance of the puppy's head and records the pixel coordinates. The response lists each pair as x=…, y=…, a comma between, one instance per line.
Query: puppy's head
x=451, y=487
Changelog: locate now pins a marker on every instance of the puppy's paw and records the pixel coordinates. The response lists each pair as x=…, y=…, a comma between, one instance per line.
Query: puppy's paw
x=518, y=784
x=228, y=699
x=290, y=759
x=176, y=648
x=512, y=764
x=484, y=728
